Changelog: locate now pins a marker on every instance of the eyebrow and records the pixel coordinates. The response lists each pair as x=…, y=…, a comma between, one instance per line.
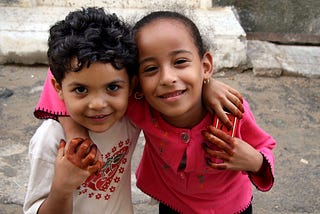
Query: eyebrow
x=171, y=54
x=116, y=81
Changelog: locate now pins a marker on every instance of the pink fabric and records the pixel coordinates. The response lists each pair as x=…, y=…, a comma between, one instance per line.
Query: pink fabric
x=49, y=105
x=197, y=188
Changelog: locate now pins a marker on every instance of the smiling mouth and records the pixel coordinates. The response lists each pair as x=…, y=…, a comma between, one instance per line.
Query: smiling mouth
x=173, y=94
x=99, y=116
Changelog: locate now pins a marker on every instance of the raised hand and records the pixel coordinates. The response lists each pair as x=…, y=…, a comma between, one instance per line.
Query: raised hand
x=232, y=153
x=74, y=165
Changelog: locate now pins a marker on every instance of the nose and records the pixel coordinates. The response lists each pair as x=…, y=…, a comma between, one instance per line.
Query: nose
x=168, y=76
x=98, y=102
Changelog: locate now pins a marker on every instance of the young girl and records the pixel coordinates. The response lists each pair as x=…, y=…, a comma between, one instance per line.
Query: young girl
x=92, y=56
x=175, y=168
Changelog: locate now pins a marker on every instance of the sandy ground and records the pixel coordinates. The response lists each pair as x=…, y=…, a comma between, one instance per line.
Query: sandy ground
x=286, y=107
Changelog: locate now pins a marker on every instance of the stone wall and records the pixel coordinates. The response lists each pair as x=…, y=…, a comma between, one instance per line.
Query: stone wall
x=141, y=4
x=24, y=26
x=288, y=21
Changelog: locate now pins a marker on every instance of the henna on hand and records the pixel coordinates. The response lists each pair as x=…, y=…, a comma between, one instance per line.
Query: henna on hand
x=225, y=152
x=83, y=153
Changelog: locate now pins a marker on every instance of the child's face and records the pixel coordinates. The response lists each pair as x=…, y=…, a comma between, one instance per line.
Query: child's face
x=171, y=72
x=96, y=97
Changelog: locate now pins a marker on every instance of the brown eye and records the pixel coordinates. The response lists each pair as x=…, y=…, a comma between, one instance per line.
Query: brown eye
x=181, y=61
x=149, y=69
x=113, y=87
x=81, y=90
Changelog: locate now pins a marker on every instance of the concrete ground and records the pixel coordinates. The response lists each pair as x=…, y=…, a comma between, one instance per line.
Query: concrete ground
x=288, y=107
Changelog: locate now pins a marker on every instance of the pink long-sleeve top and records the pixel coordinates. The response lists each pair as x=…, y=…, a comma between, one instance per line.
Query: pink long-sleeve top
x=195, y=188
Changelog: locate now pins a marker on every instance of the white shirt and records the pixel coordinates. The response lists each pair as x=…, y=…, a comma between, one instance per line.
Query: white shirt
x=108, y=192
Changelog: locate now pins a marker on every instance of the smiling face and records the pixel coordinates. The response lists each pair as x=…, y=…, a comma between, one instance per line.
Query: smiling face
x=95, y=97
x=171, y=73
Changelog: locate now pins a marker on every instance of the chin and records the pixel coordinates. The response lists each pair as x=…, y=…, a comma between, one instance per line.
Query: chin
x=98, y=129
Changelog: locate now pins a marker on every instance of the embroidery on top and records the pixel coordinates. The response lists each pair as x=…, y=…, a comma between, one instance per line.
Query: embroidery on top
x=164, y=135
x=102, y=184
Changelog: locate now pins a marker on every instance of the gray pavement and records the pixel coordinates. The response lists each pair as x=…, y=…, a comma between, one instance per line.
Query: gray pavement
x=288, y=107
x=281, y=83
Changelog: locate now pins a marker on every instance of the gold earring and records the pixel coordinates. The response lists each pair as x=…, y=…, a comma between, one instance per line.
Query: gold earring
x=138, y=95
x=206, y=81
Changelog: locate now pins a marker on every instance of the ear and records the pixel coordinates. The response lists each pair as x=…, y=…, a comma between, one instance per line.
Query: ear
x=57, y=87
x=207, y=65
x=135, y=86
x=134, y=83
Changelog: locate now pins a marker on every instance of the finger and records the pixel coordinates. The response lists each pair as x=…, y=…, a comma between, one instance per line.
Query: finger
x=95, y=168
x=234, y=105
x=236, y=93
x=73, y=145
x=62, y=144
x=218, y=154
x=83, y=148
x=223, y=117
x=218, y=142
x=230, y=141
x=232, y=95
x=218, y=166
x=90, y=158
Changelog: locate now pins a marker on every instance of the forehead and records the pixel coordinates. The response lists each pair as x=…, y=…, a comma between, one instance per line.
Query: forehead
x=163, y=31
x=165, y=24
x=96, y=74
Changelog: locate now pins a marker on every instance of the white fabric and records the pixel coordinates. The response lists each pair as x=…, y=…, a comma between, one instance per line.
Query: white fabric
x=109, y=192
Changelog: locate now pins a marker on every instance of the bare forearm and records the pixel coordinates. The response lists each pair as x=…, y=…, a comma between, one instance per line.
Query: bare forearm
x=57, y=203
x=72, y=129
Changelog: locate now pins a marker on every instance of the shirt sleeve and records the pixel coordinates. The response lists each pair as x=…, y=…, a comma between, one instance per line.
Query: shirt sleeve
x=49, y=105
x=43, y=149
x=264, y=177
x=251, y=133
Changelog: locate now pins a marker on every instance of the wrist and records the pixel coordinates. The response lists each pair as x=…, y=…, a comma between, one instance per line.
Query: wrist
x=260, y=170
x=58, y=190
x=259, y=163
x=60, y=195
x=62, y=186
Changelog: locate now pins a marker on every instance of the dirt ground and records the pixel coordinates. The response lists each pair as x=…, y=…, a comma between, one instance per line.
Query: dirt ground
x=286, y=107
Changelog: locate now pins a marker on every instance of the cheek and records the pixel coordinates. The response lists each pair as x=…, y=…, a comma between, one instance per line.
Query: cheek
x=194, y=78
x=121, y=103
x=148, y=84
x=75, y=107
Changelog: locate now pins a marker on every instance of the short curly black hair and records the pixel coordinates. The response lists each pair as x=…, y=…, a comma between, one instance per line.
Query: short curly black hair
x=90, y=35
